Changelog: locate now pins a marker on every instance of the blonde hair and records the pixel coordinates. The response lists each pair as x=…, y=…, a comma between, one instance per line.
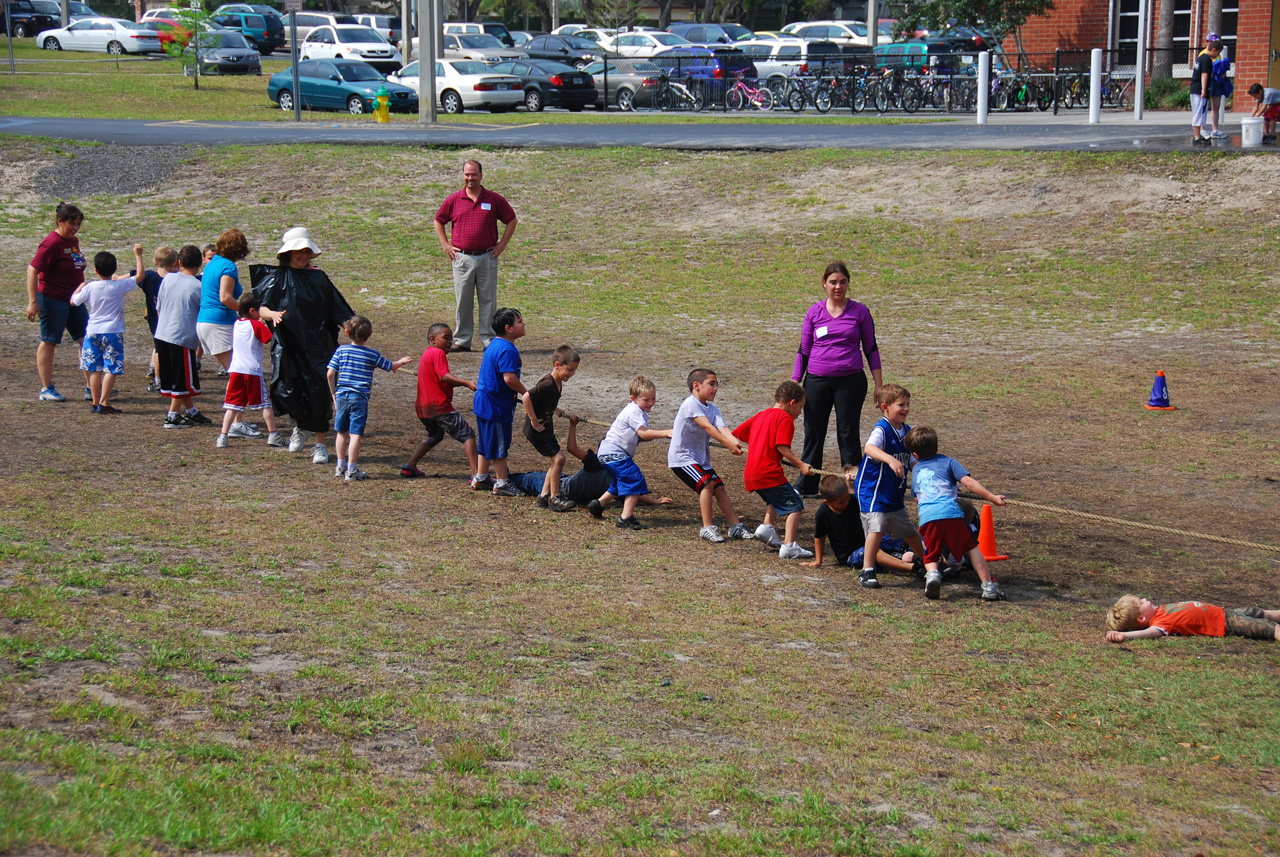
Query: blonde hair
x=1123, y=615
x=165, y=256
x=640, y=385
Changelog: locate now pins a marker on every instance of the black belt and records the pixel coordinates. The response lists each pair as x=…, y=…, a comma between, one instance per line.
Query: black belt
x=474, y=252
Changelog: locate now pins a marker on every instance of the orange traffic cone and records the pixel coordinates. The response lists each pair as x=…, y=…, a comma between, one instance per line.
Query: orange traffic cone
x=987, y=535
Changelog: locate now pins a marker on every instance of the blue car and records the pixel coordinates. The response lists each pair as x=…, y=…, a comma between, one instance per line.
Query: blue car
x=338, y=85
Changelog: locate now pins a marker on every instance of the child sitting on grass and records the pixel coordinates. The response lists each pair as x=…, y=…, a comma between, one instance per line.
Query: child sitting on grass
x=838, y=521
x=768, y=437
x=245, y=388
x=1134, y=618
x=102, y=353
x=351, y=383
x=434, y=404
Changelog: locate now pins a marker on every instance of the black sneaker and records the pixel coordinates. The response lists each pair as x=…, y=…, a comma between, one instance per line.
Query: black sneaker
x=1200, y=142
x=561, y=504
x=198, y=419
x=179, y=421
x=868, y=579
x=629, y=524
x=543, y=501
x=485, y=484
x=596, y=510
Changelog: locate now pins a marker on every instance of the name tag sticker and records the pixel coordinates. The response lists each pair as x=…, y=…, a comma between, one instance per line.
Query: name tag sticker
x=486, y=206
x=820, y=332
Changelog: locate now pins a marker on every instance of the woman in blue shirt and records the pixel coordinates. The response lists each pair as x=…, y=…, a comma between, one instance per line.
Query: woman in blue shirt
x=220, y=296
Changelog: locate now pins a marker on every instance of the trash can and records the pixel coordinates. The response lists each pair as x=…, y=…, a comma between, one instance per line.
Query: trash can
x=383, y=110
x=1251, y=132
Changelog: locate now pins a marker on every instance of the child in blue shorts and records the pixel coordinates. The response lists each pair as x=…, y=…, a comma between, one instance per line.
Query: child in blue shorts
x=617, y=451
x=494, y=405
x=350, y=383
x=102, y=352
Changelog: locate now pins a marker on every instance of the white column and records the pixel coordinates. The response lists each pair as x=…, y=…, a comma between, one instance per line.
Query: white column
x=984, y=85
x=1095, y=86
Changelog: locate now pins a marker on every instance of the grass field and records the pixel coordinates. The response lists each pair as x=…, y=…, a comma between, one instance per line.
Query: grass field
x=228, y=651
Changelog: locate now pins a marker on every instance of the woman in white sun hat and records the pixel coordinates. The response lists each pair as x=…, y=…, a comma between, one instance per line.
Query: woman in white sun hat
x=305, y=339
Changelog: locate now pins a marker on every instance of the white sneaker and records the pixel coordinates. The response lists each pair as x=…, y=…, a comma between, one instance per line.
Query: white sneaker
x=932, y=584
x=794, y=551
x=357, y=475
x=320, y=455
x=243, y=430
x=340, y=471
x=299, y=439
x=768, y=535
x=274, y=439
x=712, y=534
x=222, y=442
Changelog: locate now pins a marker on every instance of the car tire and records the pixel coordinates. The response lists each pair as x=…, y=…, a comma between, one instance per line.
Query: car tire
x=580, y=65
x=451, y=102
x=19, y=31
x=355, y=105
x=51, y=44
x=626, y=99
x=115, y=49
x=577, y=109
x=285, y=99
x=533, y=101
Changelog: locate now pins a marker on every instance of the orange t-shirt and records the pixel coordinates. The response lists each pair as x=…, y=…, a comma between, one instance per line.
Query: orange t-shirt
x=1191, y=619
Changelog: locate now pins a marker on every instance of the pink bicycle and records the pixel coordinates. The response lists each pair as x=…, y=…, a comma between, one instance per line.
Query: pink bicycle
x=742, y=95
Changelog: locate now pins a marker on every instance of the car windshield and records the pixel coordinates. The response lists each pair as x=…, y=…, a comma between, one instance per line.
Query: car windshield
x=483, y=40
x=233, y=40
x=359, y=71
x=580, y=44
x=471, y=67
x=670, y=39
x=411, y=70
x=357, y=35
x=737, y=32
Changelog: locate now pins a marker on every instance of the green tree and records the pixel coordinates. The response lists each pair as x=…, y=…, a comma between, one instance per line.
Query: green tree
x=998, y=17
x=195, y=20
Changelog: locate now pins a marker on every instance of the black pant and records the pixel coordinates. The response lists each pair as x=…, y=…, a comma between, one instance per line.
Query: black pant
x=846, y=394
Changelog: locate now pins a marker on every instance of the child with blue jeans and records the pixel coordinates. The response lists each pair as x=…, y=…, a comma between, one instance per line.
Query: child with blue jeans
x=351, y=383
x=102, y=352
x=494, y=404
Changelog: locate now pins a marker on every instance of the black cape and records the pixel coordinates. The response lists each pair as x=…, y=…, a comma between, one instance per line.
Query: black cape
x=304, y=341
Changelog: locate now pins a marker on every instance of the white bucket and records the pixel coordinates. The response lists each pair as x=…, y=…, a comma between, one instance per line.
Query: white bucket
x=1251, y=132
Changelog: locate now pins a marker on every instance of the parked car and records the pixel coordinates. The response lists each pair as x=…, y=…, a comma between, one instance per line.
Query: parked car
x=711, y=34
x=520, y=37
x=248, y=8
x=569, y=50
x=551, y=84
x=338, y=85
x=387, y=26
x=777, y=59
x=23, y=20
x=308, y=21
x=352, y=42
x=226, y=52
x=479, y=46
x=632, y=83
x=599, y=35
x=476, y=28
x=102, y=34
x=264, y=32
x=163, y=13
x=168, y=30
x=840, y=32
x=467, y=85
x=645, y=44
x=568, y=29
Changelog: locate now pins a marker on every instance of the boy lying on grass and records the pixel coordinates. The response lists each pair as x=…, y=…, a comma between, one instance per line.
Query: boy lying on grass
x=1134, y=618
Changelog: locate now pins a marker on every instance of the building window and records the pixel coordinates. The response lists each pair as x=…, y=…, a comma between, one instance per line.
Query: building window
x=1127, y=32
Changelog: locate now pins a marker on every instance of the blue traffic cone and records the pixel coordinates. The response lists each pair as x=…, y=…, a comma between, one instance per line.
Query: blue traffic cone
x=1160, y=395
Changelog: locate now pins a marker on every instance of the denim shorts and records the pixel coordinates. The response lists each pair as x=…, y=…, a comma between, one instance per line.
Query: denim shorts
x=103, y=352
x=784, y=499
x=493, y=439
x=57, y=316
x=353, y=413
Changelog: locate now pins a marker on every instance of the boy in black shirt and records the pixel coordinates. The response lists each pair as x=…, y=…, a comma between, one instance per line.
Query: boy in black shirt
x=838, y=519
x=541, y=404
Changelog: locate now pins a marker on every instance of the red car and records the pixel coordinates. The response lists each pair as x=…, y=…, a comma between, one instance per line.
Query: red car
x=168, y=30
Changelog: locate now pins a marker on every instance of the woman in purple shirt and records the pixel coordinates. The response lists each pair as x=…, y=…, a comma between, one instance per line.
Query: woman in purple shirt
x=835, y=335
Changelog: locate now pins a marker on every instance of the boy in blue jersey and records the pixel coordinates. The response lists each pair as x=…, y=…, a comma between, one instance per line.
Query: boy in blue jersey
x=497, y=386
x=882, y=481
x=350, y=383
x=935, y=479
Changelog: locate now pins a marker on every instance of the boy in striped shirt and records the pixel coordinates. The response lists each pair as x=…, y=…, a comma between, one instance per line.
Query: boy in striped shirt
x=350, y=383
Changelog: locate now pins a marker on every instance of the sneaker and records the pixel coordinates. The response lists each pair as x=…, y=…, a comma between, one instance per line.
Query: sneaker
x=710, y=532
x=277, y=440
x=320, y=455
x=629, y=524
x=596, y=510
x=199, y=419
x=737, y=531
x=1218, y=135
x=867, y=579
x=108, y=409
x=243, y=430
x=88, y=394
x=794, y=551
x=49, y=394
x=1200, y=142
x=340, y=471
x=561, y=504
x=484, y=483
x=768, y=535
x=543, y=501
x=177, y=421
x=222, y=442
x=356, y=475
x=506, y=489
x=1268, y=138
x=95, y=409
x=223, y=372
x=991, y=592
x=299, y=439
x=932, y=584
x=153, y=386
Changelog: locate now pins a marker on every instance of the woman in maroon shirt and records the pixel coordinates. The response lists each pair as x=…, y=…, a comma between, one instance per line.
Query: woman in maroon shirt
x=57, y=269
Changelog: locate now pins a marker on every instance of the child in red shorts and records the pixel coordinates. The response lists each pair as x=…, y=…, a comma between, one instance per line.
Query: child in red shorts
x=245, y=388
x=1134, y=618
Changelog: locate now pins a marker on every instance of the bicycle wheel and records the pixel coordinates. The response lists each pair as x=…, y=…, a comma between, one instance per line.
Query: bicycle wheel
x=734, y=100
x=881, y=97
x=1044, y=96
x=1124, y=98
x=910, y=98
x=697, y=99
x=764, y=99
x=822, y=99
x=859, y=98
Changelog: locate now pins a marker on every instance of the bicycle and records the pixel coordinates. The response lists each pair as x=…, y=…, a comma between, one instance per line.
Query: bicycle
x=741, y=96
x=673, y=95
x=803, y=91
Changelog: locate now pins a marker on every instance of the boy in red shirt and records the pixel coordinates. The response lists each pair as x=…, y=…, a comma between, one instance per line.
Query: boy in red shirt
x=1134, y=618
x=434, y=404
x=768, y=437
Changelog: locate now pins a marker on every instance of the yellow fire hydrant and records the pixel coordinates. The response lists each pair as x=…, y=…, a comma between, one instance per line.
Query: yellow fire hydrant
x=383, y=110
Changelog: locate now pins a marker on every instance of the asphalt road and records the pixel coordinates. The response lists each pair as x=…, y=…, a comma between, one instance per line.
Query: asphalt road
x=1028, y=131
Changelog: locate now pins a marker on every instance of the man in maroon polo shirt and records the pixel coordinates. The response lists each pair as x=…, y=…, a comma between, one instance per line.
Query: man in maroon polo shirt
x=474, y=248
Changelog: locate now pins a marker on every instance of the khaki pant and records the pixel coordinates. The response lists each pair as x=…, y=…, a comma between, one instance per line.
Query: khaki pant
x=475, y=280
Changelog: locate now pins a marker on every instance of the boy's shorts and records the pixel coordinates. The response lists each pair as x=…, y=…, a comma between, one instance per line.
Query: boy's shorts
x=1249, y=622
x=177, y=370
x=784, y=499
x=895, y=523
x=493, y=439
x=698, y=477
x=246, y=391
x=627, y=479
x=57, y=316
x=214, y=338
x=353, y=413
x=451, y=424
x=103, y=352
x=1199, y=111
x=1272, y=113
x=947, y=536
x=545, y=442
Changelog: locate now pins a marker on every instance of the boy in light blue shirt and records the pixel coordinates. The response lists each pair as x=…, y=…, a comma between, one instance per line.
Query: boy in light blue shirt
x=351, y=383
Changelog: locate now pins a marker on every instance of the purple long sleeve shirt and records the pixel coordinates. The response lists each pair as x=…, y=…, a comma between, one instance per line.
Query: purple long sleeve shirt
x=834, y=346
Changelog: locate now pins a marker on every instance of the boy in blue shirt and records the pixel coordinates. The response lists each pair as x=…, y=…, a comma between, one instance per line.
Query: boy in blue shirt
x=350, y=383
x=935, y=480
x=882, y=481
x=494, y=405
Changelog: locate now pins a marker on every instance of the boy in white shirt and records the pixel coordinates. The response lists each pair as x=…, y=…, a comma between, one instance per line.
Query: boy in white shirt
x=102, y=352
x=245, y=388
x=616, y=452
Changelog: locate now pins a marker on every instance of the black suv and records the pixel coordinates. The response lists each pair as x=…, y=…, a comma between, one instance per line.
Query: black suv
x=22, y=19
